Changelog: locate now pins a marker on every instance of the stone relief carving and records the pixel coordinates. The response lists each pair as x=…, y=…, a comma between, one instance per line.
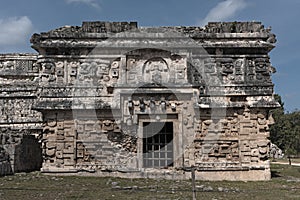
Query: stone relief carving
x=180, y=66
x=216, y=153
x=95, y=142
x=259, y=70
x=47, y=73
x=194, y=72
x=18, y=111
x=156, y=71
x=18, y=66
x=112, y=141
x=241, y=136
x=89, y=72
x=156, y=68
x=58, y=142
x=224, y=77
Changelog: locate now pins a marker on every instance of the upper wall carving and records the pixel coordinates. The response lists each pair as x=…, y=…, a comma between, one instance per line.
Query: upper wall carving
x=117, y=27
x=155, y=67
x=59, y=40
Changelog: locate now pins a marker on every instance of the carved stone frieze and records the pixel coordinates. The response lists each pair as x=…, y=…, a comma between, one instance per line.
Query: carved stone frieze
x=114, y=97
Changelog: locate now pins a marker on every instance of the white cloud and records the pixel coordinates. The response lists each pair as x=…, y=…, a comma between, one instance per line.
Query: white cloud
x=92, y=3
x=15, y=31
x=224, y=11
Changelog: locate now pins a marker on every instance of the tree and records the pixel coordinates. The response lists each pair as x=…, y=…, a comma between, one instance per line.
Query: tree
x=276, y=134
x=286, y=130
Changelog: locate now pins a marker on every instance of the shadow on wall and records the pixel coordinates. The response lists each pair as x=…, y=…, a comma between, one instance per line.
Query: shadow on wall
x=28, y=155
x=5, y=165
x=24, y=156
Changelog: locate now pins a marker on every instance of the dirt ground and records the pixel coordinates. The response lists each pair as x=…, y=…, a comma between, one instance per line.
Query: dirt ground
x=285, y=184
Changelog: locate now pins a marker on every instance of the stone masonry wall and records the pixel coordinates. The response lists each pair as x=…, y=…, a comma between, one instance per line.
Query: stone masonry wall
x=18, y=79
x=92, y=89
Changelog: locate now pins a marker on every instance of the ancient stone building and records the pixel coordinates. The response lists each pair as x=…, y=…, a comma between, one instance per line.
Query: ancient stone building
x=115, y=99
x=20, y=124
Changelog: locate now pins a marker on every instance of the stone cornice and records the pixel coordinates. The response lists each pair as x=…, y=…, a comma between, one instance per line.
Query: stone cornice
x=126, y=35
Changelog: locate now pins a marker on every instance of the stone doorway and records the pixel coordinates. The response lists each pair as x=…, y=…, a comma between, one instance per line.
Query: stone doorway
x=158, y=144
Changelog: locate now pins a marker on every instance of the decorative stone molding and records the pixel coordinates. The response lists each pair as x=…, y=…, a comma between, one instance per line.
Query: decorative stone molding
x=114, y=97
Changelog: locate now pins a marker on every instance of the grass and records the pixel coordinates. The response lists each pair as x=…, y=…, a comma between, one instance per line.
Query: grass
x=285, y=184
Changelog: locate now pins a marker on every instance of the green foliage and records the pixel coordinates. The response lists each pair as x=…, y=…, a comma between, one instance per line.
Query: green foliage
x=286, y=131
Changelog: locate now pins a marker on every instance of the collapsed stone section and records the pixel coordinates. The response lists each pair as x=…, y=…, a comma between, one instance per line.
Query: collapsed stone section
x=152, y=101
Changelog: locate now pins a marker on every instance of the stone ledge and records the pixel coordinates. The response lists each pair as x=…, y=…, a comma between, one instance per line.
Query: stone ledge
x=251, y=175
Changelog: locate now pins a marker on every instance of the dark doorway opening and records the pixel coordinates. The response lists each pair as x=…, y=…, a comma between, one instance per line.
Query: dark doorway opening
x=157, y=144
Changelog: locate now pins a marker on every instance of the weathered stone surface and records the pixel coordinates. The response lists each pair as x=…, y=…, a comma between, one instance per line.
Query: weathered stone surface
x=18, y=93
x=275, y=152
x=145, y=101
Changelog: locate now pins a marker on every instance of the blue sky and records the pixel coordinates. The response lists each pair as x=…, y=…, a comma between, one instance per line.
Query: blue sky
x=19, y=19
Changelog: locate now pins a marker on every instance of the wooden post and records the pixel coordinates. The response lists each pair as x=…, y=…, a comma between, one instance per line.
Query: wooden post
x=193, y=182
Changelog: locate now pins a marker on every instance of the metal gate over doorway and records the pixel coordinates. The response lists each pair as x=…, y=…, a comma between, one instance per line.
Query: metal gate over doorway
x=157, y=144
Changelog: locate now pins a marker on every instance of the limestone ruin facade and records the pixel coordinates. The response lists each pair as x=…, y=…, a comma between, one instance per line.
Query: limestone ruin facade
x=115, y=99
